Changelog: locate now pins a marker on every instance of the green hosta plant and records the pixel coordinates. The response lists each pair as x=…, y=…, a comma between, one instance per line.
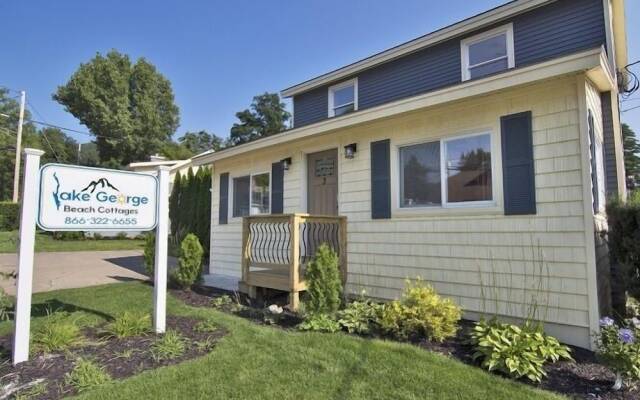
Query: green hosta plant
x=360, y=316
x=421, y=312
x=516, y=351
x=319, y=323
x=619, y=349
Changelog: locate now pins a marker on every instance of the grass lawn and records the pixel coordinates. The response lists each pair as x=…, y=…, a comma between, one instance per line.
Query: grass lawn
x=44, y=242
x=257, y=362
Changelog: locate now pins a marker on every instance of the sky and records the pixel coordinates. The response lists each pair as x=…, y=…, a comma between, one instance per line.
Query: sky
x=218, y=55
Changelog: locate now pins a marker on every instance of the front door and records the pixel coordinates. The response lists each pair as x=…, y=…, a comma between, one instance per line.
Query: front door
x=322, y=178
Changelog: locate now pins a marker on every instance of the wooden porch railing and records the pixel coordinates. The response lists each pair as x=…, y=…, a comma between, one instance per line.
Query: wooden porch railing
x=276, y=249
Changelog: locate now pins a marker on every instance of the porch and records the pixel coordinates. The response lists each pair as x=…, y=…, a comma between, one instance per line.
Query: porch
x=276, y=249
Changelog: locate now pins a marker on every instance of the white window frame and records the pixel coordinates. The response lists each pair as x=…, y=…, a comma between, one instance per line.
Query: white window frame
x=466, y=43
x=232, y=192
x=443, y=174
x=351, y=82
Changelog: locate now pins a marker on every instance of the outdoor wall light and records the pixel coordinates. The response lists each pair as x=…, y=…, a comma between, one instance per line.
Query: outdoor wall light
x=286, y=163
x=350, y=150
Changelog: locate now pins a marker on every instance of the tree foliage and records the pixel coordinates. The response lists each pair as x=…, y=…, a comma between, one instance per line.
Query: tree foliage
x=128, y=106
x=201, y=141
x=266, y=116
x=631, y=155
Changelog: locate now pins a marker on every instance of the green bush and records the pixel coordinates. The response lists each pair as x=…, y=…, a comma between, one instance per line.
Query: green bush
x=421, y=312
x=619, y=347
x=516, y=351
x=190, y=263
x=624, y=238
x=171, y=345
x=324, y=286
x=86, y=375
x=319, y=323
x=360, y=317
x=74, y=235
x=58, y=332
x=222, y=301
x=129, y=324
x=150, y=254
x=9, y=216
x=122, y=236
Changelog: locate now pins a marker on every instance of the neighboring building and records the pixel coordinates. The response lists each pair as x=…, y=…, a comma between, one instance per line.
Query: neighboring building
x=489, y=145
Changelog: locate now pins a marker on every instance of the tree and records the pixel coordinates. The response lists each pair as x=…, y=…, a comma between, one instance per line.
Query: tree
x=176, y=151
x=129, y=107
x=631, y=154
x=199, y=142
x=267, y=116
x=89, y=154
x=58, y=146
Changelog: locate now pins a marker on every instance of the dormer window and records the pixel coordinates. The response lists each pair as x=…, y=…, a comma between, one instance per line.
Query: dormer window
x=343, y=98
x=487, y=53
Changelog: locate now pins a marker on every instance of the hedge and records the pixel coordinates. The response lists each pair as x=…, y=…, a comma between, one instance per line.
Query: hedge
x=624, y=237
x=9, y=216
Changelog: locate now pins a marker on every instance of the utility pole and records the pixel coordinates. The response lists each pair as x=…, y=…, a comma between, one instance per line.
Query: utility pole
x=16, y=171
x=79, y=150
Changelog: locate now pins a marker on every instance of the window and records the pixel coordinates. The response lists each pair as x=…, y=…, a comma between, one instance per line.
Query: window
x=596, y=157
x=251, y=195
x=450, y=172
x=343, y=98
x=487, y=53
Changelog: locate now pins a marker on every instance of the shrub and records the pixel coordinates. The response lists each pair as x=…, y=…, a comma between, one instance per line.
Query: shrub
x=190, y=263
x=97, y=236
x=221, y=301
x=421, y=312
x=619, y=348
x=129, y=324
x=324, y=287
x=516, y=351
x=319, y=323
x=86, y=375
x=171, y=345
x=74, y=235
x=122, y=236
x=58, y=332
x=9, y=216
x=150, y=254
x=360, y=316
x=624, y=238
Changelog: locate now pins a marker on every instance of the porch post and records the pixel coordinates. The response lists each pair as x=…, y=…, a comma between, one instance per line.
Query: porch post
x=294, y=263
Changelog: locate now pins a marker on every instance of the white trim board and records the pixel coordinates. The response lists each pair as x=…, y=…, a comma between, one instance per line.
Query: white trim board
x=590, y=60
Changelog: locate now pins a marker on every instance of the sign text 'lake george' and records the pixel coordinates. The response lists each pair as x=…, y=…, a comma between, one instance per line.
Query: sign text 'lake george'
x=74, y=198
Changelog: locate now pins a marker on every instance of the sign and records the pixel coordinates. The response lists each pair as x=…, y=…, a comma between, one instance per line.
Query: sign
x=75, y=198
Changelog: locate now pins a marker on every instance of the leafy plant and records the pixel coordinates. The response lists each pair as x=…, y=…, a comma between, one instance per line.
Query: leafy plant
x=324, y=286
x=171, y=345
x=221, y=301
x=150, y=254
x=32, y=392
x=421, y=312
x=58, y=332
x=6, y=306
x=207, y=325
x=319, y=323
x=516, y=351
x=86, y=375
x=360, y=316
x=619, y=347
x=190, y=263
x=129, y=324
x=122, y=236
x=205, y=345
x=9, y=216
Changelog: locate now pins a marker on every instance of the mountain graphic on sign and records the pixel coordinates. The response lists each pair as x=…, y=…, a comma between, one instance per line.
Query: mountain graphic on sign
x=102, y=182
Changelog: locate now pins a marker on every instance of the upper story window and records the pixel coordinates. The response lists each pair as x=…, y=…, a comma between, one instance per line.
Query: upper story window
x=487, y=53
x=251, y=195
x=343, y=98
x=449, y=172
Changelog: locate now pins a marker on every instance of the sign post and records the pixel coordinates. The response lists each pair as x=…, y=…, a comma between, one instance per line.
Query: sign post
x=75, y=198
x=162, y=235
x=27, y=239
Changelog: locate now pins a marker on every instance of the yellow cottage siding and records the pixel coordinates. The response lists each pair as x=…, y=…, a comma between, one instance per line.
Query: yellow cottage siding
x=464, y=252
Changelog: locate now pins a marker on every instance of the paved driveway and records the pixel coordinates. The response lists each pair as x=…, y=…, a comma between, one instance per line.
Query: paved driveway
x=63, y=270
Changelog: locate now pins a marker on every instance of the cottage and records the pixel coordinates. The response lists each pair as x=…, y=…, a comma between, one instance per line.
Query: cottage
x=477, y=157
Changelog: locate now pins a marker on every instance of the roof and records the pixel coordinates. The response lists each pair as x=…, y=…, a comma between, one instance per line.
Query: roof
x=459, y=28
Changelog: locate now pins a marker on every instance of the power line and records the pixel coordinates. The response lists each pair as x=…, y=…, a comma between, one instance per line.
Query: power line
x=629, y=109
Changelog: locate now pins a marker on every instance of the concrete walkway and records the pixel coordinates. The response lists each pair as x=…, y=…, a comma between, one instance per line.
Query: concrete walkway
x=64, y=270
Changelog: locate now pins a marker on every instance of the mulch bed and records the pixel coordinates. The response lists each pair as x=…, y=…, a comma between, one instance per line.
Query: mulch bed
x=583, y=379
x=120, y=358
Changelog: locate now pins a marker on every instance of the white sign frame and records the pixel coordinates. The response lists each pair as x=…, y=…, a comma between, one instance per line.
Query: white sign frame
x=96, y=228
x=29, y=209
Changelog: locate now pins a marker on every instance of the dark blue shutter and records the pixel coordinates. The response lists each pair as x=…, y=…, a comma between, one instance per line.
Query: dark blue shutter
x=380, y=180
x=223, y=204
x=277, y=188
x=518, y=174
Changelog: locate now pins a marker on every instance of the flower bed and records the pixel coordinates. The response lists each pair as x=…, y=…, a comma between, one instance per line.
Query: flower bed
x=113, y=358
